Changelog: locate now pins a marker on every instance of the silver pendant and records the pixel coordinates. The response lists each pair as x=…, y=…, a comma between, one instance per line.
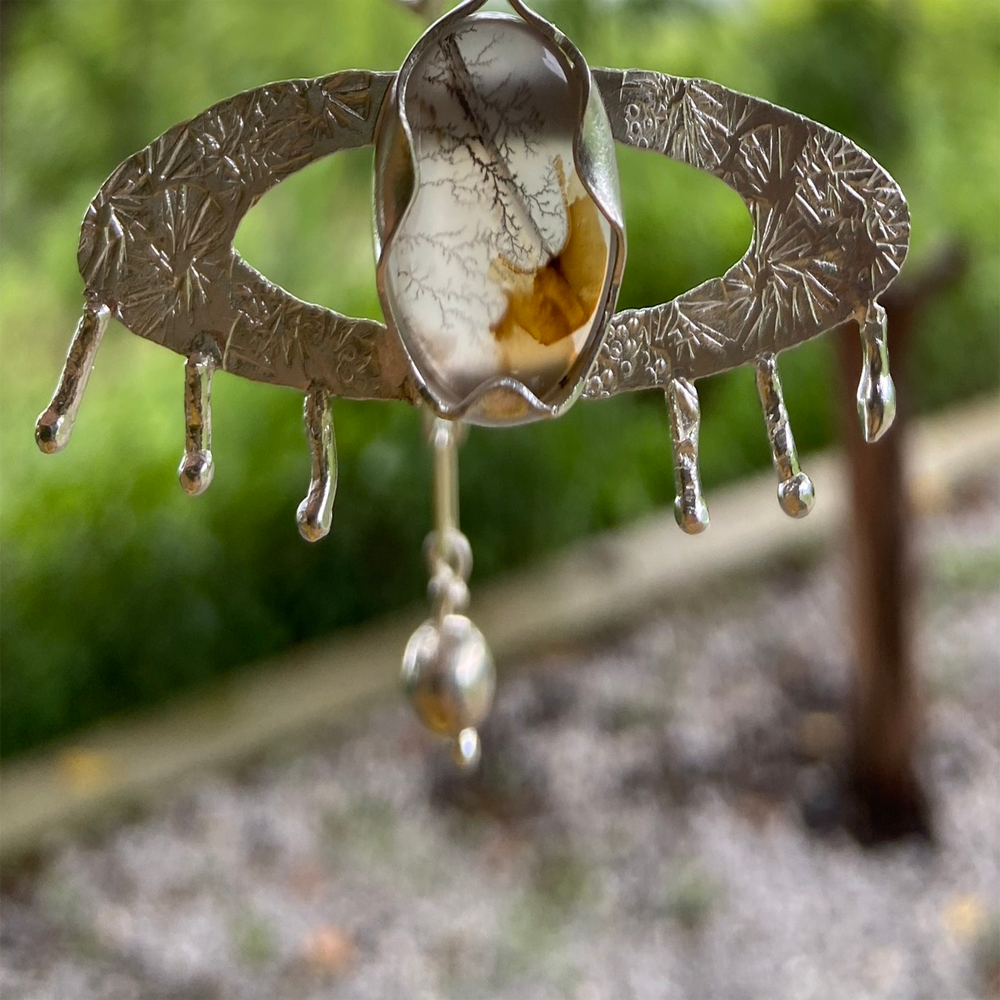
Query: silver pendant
x=500, y=246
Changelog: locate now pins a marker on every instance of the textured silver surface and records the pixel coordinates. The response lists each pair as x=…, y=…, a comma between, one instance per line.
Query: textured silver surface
x=830, y=230
x=156, y=245
x=830, y=233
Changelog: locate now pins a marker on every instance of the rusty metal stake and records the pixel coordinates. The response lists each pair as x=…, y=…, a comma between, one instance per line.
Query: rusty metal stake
x=889, y=799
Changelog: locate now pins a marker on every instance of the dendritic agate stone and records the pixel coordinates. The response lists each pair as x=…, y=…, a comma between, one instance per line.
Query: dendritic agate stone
x=500, y=266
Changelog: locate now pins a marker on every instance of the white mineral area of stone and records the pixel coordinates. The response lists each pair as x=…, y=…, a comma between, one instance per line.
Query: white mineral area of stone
x=502, y=259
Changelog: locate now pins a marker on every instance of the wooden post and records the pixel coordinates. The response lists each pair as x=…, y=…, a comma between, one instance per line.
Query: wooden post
x=888, y=798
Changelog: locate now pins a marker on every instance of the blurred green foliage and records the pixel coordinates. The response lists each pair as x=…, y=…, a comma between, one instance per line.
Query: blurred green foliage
x=118, y=590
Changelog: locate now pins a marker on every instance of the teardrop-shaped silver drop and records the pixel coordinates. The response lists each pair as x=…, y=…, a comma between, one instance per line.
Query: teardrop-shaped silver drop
x=315, y=513
x=876, y=390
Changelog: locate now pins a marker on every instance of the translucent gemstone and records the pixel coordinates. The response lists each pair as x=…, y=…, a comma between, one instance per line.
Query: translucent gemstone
x=501, y=263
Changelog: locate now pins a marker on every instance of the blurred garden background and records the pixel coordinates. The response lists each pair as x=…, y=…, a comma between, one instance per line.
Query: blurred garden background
x=119, y=591
x=671, y=802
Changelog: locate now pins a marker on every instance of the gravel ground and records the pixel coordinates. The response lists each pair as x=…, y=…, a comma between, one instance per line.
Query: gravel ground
x=658, y=815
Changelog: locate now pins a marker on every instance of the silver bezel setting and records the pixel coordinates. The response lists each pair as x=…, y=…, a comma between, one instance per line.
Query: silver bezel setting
x=505, y=399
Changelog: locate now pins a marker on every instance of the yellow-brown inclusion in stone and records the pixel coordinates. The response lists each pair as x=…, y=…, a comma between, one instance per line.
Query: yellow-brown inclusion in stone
x=555, y=301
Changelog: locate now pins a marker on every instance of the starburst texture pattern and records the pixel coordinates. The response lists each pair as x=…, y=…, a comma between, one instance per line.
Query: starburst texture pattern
x=830, y=231
x=156, y=244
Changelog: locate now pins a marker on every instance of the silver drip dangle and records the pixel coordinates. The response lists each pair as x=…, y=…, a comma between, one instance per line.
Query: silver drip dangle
x=795, y=488
x=876, y=391
x=197, y=467
x=690, y=510
x=315, y=513
x=53, y=427
x=448, y=670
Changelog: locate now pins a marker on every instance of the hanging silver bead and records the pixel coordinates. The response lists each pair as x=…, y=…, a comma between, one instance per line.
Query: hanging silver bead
x=448, y=675
x=448, y=671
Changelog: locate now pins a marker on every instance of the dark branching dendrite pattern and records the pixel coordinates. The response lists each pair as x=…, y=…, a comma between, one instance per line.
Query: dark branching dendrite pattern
x=419, y=282
x=479, y=137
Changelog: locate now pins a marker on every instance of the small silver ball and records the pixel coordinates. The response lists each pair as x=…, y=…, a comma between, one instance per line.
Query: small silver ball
x=196, y=471
x=797, y=495
x=51, y=431
x=448, y=675
x=692, y=520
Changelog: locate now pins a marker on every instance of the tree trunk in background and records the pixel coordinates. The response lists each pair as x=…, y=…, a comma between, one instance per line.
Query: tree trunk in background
x=889, y=800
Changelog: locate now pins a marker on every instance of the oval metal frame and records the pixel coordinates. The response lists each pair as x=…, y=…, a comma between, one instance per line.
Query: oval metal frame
x=830, y=233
